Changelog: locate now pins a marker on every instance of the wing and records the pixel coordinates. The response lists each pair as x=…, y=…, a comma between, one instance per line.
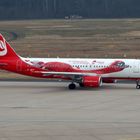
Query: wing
x=66, y=74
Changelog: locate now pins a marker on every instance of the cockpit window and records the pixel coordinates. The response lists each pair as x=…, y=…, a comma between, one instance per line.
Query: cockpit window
x=121, y=64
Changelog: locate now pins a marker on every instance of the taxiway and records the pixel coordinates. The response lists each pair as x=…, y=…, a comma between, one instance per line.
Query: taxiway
x=49, y=111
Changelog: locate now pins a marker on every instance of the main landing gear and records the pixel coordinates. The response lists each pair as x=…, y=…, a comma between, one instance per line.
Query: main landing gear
x=138, y=84
x=72, y=86
x=81, y=84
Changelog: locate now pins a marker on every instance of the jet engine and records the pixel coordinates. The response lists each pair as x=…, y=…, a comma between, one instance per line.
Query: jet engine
x=92, y=81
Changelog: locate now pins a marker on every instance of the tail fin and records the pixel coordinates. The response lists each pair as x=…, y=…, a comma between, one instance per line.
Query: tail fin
x=5, y=49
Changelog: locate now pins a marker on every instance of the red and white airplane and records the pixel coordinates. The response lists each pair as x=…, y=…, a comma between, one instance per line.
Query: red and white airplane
x=85, y=72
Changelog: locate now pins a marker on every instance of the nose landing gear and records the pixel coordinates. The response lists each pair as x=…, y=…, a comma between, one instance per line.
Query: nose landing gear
x=138, y=84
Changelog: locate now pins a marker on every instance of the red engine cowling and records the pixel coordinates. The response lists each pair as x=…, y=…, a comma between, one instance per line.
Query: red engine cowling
x=107, y=80
x=92, y=81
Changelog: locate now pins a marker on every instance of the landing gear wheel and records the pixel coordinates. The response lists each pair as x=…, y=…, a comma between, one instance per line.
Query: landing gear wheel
x=138, y=87
x=81, y=84
x=72, y=86
x=138, y=84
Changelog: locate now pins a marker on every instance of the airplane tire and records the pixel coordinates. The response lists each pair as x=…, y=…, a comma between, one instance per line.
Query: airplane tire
x=72, y=86
x=81, y=84
x=138, y=87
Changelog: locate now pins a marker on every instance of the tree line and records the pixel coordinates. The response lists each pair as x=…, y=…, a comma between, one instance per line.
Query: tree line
x=30, y=9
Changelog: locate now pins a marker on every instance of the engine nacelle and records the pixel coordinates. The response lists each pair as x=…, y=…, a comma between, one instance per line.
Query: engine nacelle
x=109, y=81
x=92, y=81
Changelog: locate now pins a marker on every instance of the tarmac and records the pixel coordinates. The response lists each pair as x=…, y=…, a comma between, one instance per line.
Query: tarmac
x=50, y=111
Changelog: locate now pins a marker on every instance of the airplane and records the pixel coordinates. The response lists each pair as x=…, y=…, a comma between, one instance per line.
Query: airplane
x=84, y=72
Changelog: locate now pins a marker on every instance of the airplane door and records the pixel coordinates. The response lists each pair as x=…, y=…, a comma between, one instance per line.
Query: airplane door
x=136, y=68
x=19, y=65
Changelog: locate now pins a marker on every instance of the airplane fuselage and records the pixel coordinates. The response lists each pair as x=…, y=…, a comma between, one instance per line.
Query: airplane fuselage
x=128, y=68
x=85, y=72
